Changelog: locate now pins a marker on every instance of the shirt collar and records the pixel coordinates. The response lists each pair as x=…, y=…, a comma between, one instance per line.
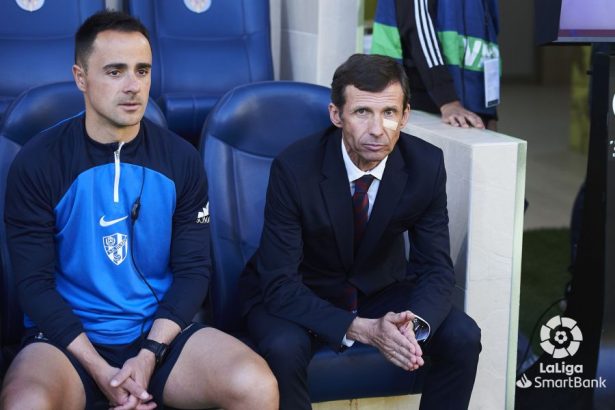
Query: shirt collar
x=355, y=173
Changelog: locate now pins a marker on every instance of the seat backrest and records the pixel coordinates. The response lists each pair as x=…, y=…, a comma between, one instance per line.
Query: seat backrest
x=31, y=112
x=249, y=127
x=36, y=43
x=219, y=45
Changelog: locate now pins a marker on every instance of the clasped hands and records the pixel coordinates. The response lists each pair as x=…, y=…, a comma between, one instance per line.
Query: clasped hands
x=126, y=387
x=393, y=335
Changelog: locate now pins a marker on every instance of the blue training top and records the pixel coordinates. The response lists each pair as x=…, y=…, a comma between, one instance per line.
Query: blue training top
x=77, y=251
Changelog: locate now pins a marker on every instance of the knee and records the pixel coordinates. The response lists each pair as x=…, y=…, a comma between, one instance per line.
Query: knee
x=16, y=396
x=253, y=383
x=469, y=335
x=461, y=334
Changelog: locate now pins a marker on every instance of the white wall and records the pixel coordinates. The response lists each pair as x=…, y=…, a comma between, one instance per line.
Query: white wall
x=311, y=38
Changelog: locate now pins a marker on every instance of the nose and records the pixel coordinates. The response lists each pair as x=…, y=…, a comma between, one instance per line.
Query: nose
x=132, y=84
x=375, y=127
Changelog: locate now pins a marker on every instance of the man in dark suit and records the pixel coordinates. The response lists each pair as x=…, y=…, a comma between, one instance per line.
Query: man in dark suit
x=332, y=266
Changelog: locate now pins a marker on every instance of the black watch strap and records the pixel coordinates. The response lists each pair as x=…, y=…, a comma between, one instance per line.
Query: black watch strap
x=159, y=349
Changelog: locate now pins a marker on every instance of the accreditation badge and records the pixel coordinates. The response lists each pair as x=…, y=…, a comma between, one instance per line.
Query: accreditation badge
x=492, y=81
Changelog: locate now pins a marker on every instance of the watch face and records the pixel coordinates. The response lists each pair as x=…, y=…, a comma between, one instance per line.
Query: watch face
x=420, y=330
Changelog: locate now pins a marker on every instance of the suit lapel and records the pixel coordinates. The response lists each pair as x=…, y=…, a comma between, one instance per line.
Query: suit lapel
x=389, y=193
x=336, y=195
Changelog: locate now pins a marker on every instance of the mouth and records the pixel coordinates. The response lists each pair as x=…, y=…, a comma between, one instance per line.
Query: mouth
x=374, y=147
x=130, y=106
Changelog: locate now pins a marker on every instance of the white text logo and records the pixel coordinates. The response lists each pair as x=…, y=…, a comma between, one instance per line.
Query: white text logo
x=202, y=217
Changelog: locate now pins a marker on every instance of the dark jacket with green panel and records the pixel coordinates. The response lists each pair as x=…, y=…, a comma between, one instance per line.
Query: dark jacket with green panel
x=442, y=44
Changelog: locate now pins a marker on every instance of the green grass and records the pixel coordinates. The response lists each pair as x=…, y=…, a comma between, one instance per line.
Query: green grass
x=544, y=274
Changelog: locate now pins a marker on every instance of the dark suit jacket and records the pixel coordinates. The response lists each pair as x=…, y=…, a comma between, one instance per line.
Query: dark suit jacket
x=306, y=251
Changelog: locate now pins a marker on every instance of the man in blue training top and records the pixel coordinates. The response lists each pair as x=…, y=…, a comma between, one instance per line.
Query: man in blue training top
x=110, y=244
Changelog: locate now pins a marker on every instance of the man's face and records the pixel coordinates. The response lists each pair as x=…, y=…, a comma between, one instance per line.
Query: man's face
x=116, y=82
x=370, y=123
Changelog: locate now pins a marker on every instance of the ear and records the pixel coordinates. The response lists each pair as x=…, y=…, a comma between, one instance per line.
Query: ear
x=79, y=76
x=405, y=117
x=335, y=115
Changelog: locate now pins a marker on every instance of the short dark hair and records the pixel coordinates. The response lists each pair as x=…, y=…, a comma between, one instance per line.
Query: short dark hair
x=371, y=73
x=99, y=22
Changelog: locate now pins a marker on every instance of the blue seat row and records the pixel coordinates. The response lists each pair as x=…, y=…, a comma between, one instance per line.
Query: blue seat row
x=37, y=43
x=201, y=50
x=202, y=53
x=248, y=127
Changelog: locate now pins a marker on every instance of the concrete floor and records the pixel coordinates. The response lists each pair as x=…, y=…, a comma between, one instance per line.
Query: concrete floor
x=541, y=116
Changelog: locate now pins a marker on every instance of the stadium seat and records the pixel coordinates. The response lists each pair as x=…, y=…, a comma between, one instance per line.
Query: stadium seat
x=37, y=44
x=30, y=113
x=200, y=55
x=248, y=127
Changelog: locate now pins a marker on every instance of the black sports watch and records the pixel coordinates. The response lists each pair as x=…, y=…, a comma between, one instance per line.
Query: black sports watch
x=159, y=349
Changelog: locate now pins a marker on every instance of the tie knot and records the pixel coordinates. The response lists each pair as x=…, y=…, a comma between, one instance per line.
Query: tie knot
x=362, y=184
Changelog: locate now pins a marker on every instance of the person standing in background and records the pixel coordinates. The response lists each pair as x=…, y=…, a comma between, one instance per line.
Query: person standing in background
x=450, y=53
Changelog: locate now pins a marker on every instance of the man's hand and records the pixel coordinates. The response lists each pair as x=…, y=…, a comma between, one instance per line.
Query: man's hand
x=455, y=114
x=407, y=329
x=134, y=376
x=385, y=334
x=127, y=395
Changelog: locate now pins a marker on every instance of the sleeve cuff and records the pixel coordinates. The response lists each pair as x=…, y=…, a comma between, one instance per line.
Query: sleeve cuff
x=347, y=342
x=163, y=313
x=67, y=336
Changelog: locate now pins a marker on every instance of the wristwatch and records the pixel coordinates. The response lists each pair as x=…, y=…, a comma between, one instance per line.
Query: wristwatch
x=159, y=349
x=421, y=329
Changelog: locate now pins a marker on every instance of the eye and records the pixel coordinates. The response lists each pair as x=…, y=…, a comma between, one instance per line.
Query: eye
x=113, y=73
x=143, y=72
x=389, y=113
x=361, y=111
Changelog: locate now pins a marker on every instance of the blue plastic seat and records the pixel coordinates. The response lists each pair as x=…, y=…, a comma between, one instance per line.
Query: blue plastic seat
x=37, y=47
x=200, y=56
x=30, y=113
x=248, y=127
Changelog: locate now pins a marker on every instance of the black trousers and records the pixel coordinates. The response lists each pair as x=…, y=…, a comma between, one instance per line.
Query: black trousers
x=453, y=349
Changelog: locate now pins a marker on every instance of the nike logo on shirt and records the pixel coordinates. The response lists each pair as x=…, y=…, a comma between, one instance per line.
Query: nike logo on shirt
x=104, y=223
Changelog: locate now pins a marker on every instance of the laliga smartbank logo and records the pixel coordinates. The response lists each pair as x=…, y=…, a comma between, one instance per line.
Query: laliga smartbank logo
x=560, y=337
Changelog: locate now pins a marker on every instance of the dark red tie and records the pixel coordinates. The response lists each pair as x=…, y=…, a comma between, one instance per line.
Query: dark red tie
x=360, y=205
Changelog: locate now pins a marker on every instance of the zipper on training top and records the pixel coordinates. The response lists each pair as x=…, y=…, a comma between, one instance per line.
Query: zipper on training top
x=116, y=184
